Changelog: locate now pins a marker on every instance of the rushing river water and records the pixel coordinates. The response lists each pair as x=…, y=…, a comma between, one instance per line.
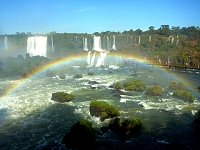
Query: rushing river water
x=29, y=119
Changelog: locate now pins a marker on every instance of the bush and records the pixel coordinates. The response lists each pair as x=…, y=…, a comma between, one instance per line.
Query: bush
x=78, y=76
x=177, y=86
x=126, y=128
x=134, y=85
x=103, y=110
x=117, y=85
x=62, y=97
x=155, y=91
x=184, y=95
x=81, y=136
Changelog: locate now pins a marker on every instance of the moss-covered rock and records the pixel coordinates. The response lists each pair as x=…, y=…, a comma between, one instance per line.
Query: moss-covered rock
x=76, y=76
x=62, y=97
x=184, y=95
x=117, y=85
x=81, y=136
x=126, y=128
x=154, y=91
x=103, y=110
x=177, y=86
x=61, y=76
x=91, y=73
x=134, y=85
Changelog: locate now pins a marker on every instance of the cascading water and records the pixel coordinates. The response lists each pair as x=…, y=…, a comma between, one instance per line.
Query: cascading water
x=114, y=47
x=92, y=60
x=97, y=48
x=89, y=58
x=5, y=43
x=100, y=61
x=108, y=43
x=139, y=41
x=85, y=45
x=52, y=45
x=150, y=38
x=37, y=46
x=97, y=43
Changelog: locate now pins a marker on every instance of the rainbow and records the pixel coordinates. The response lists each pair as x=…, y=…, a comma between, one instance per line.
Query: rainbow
x=65, y=60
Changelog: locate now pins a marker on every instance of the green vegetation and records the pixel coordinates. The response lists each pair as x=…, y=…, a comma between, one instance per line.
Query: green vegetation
x=184, y=95
x=181, y=46
x=177, y=86
x=76, y=76
x=126, y=128
x=81, y=136
x=103, y=110
x=117, y=85
x=20, y=66
x=134, y=85
x=62, y=97
x=155, y=91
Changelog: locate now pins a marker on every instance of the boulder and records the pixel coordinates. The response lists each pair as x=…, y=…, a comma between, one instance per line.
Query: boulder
x=62, y=97
x=103, y=110
x=81, y=136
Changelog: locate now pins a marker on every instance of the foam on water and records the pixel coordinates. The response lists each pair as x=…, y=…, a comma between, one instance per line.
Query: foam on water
x=35, y=97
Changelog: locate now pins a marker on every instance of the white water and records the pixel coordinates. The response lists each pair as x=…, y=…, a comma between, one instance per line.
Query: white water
x=85, y=45
x=52, y=45
x=150, y=38
x=97, y=43
x=37, y=46
x=108, y=43
x=5, y=43
x=89, y=58
x=29, y=110
x=139, y=41
x=100, y=61
x=92, y=60
x=114, y=47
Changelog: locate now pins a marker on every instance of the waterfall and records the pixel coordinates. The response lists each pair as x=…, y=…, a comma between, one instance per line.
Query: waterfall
x=97, y=43
x=139, y=41
x=5, y=43
x=150, y=38
x=52, y=45
x=92, y=60
x=37, y=46
x=85, y=45
x=88, y=58
x=108, y=43
x=168, y=61
x=100, y=61
x=114, y=47
x=172, y=39
x=177, y=40
x=96, y=48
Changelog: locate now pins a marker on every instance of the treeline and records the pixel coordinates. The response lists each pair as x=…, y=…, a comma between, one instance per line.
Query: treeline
x=174, y=45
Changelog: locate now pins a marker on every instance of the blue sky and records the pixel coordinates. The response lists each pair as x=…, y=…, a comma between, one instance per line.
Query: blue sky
x=88, y=16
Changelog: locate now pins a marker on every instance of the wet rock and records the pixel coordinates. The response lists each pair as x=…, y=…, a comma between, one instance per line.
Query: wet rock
x=62, y=97
x=81, y=136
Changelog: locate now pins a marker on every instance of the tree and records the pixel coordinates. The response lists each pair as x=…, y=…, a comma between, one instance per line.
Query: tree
x=138, y=31
x=175, y=29
x=165, y=30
